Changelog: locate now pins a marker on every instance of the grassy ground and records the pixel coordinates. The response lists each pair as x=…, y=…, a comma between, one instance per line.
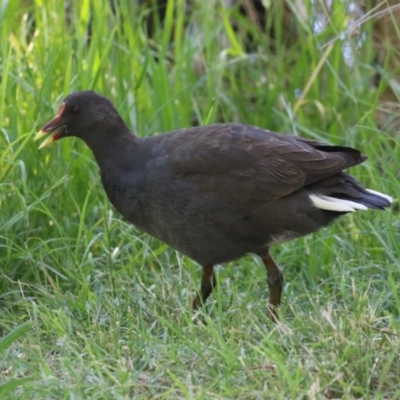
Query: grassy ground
x=93, y=309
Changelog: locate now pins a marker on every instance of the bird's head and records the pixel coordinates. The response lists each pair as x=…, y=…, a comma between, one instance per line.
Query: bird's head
x=81, y=114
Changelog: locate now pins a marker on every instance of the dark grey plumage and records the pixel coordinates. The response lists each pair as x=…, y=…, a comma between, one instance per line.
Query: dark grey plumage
x=217, y=192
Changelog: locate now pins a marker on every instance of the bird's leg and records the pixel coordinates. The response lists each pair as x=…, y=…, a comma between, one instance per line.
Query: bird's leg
x=275, y=284
x=208, y=283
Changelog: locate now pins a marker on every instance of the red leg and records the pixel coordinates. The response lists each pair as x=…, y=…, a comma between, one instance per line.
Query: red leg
x=208, y=282
x=275, y=285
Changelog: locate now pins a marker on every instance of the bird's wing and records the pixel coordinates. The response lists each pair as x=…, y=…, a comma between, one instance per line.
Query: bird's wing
x=250, y=166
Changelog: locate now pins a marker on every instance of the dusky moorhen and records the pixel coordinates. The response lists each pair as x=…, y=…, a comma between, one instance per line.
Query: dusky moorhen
x=217, y=192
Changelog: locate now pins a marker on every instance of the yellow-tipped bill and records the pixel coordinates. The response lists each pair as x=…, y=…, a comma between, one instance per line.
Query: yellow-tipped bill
x=53, y=125
x=46, y=142
x=39, y=135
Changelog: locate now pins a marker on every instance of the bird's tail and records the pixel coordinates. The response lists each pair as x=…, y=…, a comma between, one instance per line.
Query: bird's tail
x=342, y=202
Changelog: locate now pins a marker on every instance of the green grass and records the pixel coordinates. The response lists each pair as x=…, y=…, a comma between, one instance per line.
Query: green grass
x=93, y=309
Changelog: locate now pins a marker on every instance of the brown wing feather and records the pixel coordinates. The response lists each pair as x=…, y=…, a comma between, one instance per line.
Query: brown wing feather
x=249, y=165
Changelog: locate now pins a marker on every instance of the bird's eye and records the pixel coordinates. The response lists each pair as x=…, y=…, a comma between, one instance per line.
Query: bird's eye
x=75, y=110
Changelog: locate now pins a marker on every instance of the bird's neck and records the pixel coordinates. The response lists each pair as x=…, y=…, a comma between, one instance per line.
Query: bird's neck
x=113, y=149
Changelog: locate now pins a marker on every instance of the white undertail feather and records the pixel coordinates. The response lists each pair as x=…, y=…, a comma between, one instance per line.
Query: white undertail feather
x=332, y=204
x=385, y=196
x=340, y=205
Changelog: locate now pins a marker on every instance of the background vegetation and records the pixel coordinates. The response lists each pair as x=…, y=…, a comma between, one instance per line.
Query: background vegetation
x=93, y=309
